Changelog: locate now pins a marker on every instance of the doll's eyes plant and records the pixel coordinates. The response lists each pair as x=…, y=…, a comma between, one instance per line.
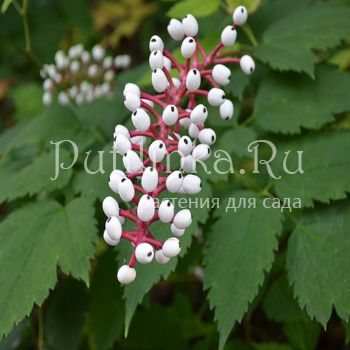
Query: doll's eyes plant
x=161, y=122
x=80, y=76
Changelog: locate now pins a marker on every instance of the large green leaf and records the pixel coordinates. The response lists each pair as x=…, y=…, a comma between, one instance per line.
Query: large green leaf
x=106, y=310
x=318, y=259
x=241, y=248
x=17, y=181
x=33, y=241
x=326, y=166
x=287, y=44
x=287, y=103
x=195, y=7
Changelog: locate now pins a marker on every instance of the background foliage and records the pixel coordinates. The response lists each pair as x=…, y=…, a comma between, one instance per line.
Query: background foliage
x=254, y=279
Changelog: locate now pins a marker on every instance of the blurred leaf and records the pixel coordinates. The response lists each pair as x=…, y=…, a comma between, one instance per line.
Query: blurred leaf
x=15, y=338
x=325, y=162
x=18, y=181
x=318, y=254
x=5, y=5
x=251, y=5
x=341, y=58
x=194, y=7
x=272, y=346
x=38, y=237
x=122, y=18
x=287, y=44
x=279, y=304
x=288, y=103
x=241, y=248
x=106, y=310
x=302, y=335
x=64, y=316
x=28, y=100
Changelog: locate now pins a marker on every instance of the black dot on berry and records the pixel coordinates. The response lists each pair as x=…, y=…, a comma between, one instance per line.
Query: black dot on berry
x=155, y=53
x=223, y=96
x=153, y=40
x=180, y=176
x=172, y=108
x=191, y=40
x=169, y=204
x=155, y=71
x=242, y=10
x=148, y=197
x=208, y=150
x=124, y=155
x=200, y=185
x=109, y=179
x=179, y=245
x=151, y=169
x=109, y=219
x=232, y=28
x=212, y=138
x=227, y=118
x=229, y=77
x=204, y=110
x=134, y=113
x=149, y=254
x=251, y=69
x=122, y=180
x=195, y=72
x=161, y=145
x=186, y=141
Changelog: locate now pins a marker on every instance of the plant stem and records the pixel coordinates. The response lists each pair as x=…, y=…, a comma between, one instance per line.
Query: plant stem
x=40, y=329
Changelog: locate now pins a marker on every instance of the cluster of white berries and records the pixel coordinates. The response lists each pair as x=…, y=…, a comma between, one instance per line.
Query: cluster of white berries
x=160, y=122
x=80, y=76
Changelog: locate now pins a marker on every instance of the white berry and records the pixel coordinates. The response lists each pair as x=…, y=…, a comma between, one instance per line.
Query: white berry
x=175, y=29
x=199, y=114
x=221, y=74
x=188, y=47
x=114, y=228
x=201, y=152
x=157, y=151
x=190, y=25
x=178, y=232
x=160, y=257
x=171, y=247
x=183, y=219
x=240, y=15
x=193, y=80
x=140, y=119
x=156, y=60
x=247, y=64
x=226, y=110
x=170, y=115
x=126, y=189
x=207, y=136
x=159, y=80
x=166, y=211
x=110, y=206
x=149, y=179
x=126, y=274
x=174, y=181
x=192, y=184
x=156, y=43
x=144, y=253
x=228, y=36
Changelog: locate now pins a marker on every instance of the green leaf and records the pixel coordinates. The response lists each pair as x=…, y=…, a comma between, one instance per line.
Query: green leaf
x=241, y=248
x=318, y=259
x=272, y=346
x=194, y=7
x=279, y=304
x=148, y=275
x=65, y=315
x=106, y=309
x=288, y=103
x=33, y=241
x=287, y=44
x=325, y=162
x=5, y=5
x=18, y=181
x=302, y=335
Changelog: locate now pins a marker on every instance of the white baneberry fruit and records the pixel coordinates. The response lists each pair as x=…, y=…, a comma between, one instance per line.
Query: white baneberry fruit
x=184, y=146
x=132, y=162
x=109, y=75
x=132, y=101
x=109, y=240
x=216, y=97
x=47, y=98
x=174, y=181
x=228, y=36
x=199, y=114
x=122, y=144
x=171, y=247
x=121, y=129
x=188, y=47
x=48, y=84
x=145, y=208
x=140, y=119
x=110, y=207
x=114, y=228
x=156, y=60
x=74, y=66
x=144, y=253
x=131, y=88
x=167, y=64
x=126, y=274
x=183, y=219
x=149, y=102
x=85, y=57
x=192, y=184
x=190, y=25
x=160, y=257
x=98, y=53
x=207, y=136
x=193, y=131
x=157, y=151
x=240, y=15
x=114, y=180
x=108, y=62
x=178, y=232
x=226, y=110
x=159, y=80
x=63, y=98
x=170, y=115
x=221, y=74
x=201, y=152
x=92, y=71
x=156, y=43
x=166, y=211
x=185, y=122
x=126, y=189
x=175, y=29
x=138, y=140
x=176, y=82
x=149, y=179
x=193, y=80
x=188, y=164
x=247, y=64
